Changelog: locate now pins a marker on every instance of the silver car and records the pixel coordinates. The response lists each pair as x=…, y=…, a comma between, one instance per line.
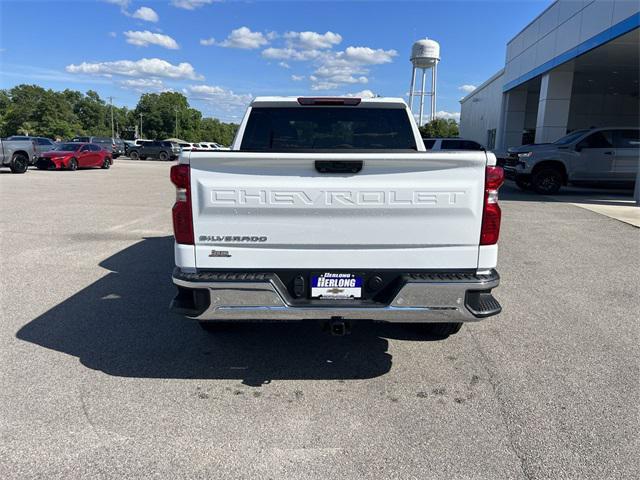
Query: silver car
x=600, y=155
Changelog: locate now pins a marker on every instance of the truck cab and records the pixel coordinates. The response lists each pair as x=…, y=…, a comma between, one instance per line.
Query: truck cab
x=332, y=209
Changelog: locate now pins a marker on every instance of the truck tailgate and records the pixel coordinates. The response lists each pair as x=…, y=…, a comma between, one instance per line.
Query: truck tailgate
x=401, y=211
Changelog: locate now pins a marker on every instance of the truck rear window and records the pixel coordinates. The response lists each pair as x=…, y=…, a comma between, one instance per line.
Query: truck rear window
x=305, y=129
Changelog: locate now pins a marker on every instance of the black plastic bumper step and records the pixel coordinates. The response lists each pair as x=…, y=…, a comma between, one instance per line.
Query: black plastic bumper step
x=482, y=304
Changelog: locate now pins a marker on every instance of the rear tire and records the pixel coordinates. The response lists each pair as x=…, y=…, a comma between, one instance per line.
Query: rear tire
x=19, y=163
x=73, y=165
x=106, y=164
x=440, y=330
x=547, y=180
x=164, y=156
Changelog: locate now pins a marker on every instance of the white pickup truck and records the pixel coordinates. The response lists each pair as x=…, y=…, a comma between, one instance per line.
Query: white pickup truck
x=332, y=209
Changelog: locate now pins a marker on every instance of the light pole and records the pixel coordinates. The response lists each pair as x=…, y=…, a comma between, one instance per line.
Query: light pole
x=176, y=110
x=141, y=136
x=113, y=132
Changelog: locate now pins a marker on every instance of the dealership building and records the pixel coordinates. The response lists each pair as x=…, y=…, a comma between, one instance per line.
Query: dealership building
x=574, y=66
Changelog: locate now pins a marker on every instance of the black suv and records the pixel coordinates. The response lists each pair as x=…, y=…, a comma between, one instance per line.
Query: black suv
x=155, y=149
x=104, y=142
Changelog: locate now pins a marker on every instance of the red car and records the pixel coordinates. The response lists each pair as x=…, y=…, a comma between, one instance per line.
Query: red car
x=73, y=155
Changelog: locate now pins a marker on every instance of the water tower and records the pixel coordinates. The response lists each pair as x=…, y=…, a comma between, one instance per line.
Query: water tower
x=425, y=55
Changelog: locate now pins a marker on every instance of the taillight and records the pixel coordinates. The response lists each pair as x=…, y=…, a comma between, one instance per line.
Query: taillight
x=491, y=214
x=182, y=217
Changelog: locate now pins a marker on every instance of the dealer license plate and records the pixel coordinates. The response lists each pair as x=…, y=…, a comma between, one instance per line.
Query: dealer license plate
x=336, y=285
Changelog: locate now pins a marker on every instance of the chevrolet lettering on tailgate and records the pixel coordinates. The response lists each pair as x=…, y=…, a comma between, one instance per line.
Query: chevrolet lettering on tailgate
x=337, y=198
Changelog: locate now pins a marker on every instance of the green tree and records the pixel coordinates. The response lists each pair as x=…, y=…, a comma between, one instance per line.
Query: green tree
x=213, y=130
x=5, y=103
x=440, y=128
x=93, y=114
x=22, y=111
x=159, y=115
x=33, y=110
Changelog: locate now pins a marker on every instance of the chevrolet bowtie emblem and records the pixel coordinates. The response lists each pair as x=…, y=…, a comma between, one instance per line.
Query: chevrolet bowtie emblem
x=335, y=290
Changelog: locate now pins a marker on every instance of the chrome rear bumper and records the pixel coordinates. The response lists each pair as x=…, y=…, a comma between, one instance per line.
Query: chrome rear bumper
x=428, y=298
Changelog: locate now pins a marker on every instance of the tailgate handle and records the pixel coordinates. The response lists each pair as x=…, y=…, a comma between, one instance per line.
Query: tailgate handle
x=338, y=166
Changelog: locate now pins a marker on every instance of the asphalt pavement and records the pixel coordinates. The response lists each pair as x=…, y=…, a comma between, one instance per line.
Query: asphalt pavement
x=100, y=380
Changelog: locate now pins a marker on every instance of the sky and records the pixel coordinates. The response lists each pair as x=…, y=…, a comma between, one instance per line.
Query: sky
x=221, y=54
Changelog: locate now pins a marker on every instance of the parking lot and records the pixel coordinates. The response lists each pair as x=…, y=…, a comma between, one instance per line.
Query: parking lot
x=99, y=379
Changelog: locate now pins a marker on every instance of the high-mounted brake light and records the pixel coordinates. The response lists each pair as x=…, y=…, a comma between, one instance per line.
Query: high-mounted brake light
x=491, y=213
x=182, y=217
x=351, y=101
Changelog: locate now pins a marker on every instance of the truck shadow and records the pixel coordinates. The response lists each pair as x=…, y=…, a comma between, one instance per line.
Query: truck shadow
x=121, y=325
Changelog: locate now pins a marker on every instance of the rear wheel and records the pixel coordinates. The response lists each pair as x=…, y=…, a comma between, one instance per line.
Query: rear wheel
x=133, y=155
x=73, y=164
x=19, y=163
x=547, y=180
x=107, y=163
x=440, y=330
x=164, y=156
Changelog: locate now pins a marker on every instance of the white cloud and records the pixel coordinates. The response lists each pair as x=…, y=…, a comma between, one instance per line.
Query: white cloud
x=368, y=56
x=297, y=78
x=213, y=92
x=121, y=3
x=361, y=94
x=322, y=85
x=290, y=54
x=312, y=40
x=223, y=102
x=332, y=68
x=145, y=67
x=341, y=73
x=144, y=85
x=113, y=34
x=467, y=88
x=207, y=42
x=448, y=115
x=350, y=66
x=284, y=65
x=244, y=38
x=146, y=38
x=303, y=46
x=190, y=4
x=147, y=14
